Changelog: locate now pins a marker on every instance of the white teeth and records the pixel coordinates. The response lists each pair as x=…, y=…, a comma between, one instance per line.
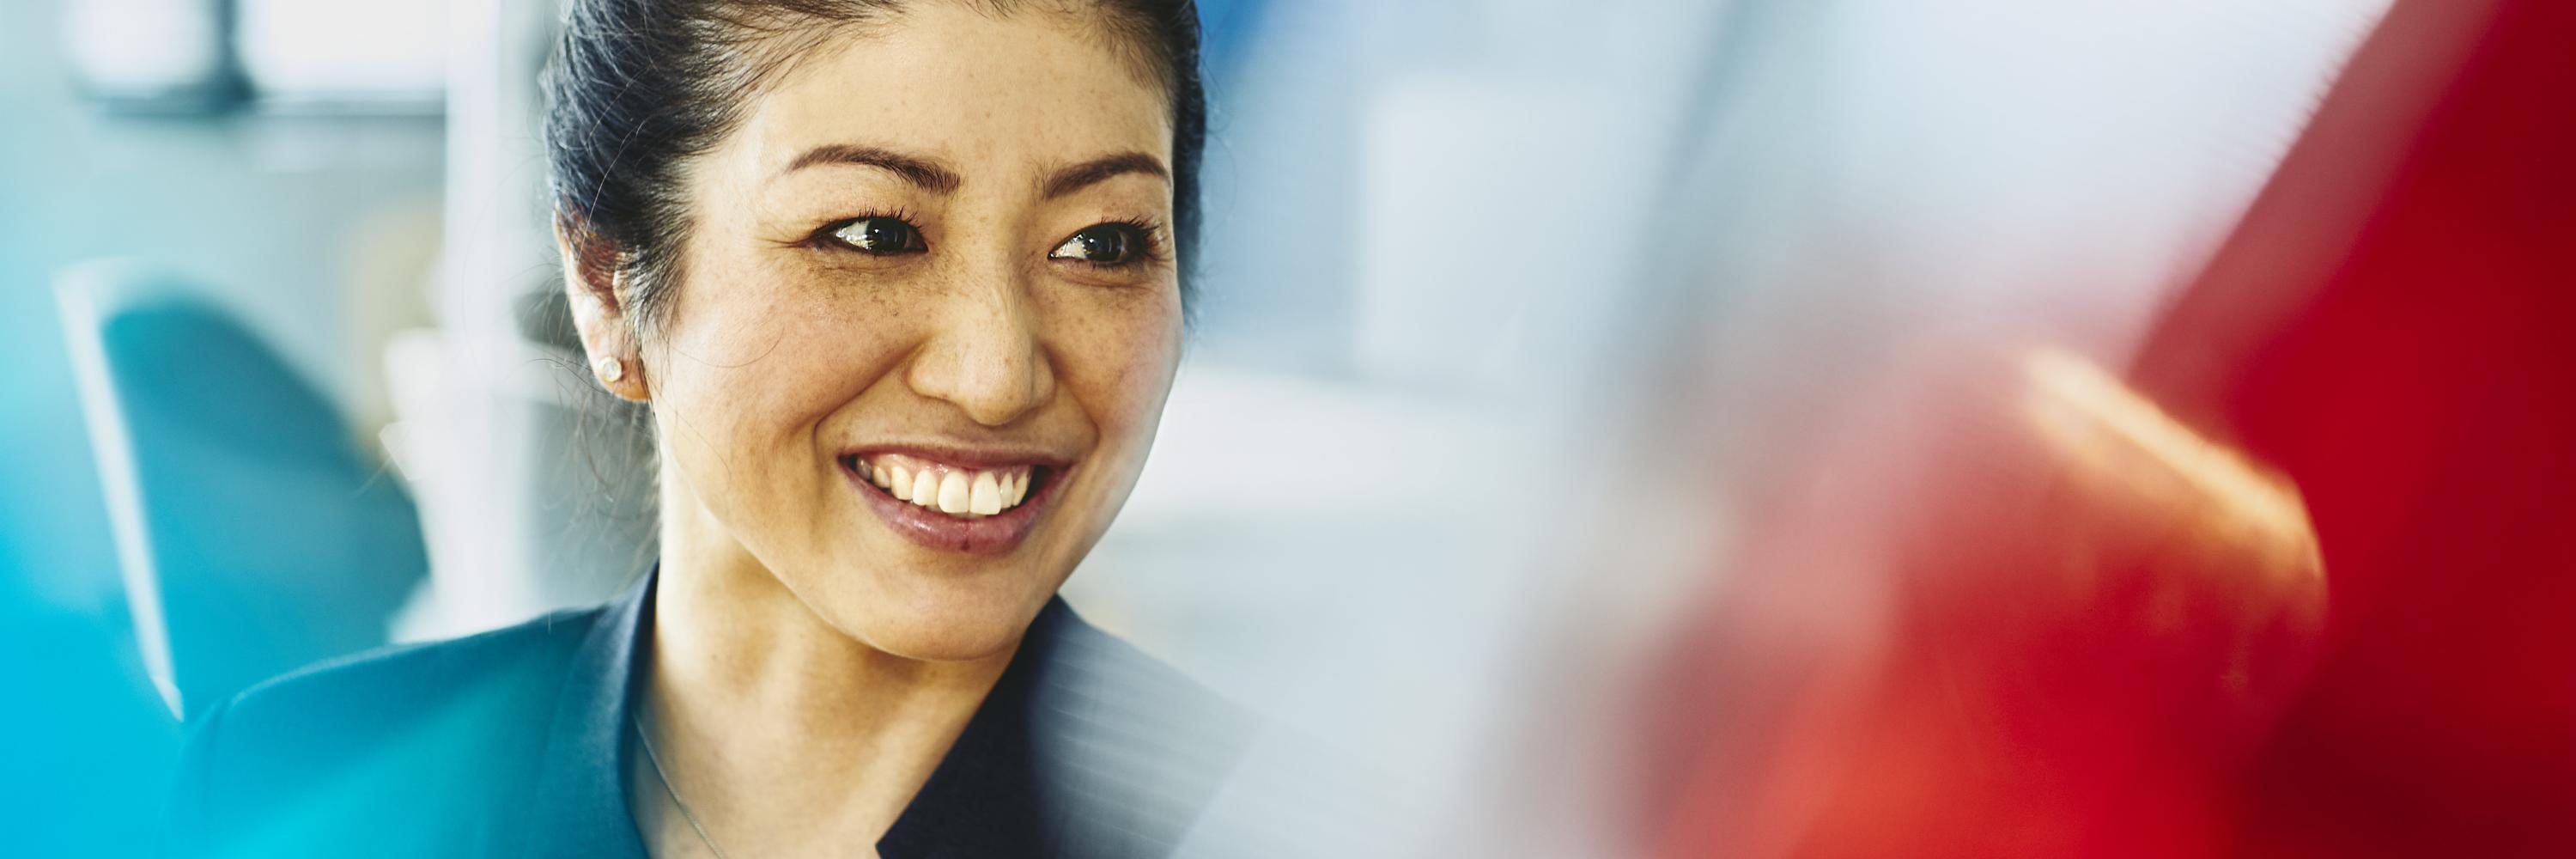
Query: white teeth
x=956, y=492
x=984, y=498
x=925, y=488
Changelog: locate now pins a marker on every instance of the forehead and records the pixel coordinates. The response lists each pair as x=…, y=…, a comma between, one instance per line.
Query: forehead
x=986, y=92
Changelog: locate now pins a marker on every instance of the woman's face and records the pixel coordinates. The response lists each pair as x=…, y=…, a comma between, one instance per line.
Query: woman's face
x=926, y=322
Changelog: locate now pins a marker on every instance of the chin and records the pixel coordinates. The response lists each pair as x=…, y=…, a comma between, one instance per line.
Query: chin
x=945, y=624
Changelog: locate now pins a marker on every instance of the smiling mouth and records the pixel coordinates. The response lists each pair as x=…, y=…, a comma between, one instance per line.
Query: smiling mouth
x=952, y=490
x=986, y=508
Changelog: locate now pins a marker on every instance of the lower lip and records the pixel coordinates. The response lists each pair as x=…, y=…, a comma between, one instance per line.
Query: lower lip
x=986, y=535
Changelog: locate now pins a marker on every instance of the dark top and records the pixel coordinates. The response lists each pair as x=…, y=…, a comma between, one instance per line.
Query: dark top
x=515, y=743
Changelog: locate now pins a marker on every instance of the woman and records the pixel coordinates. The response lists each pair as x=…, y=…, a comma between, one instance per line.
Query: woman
x=899, y=281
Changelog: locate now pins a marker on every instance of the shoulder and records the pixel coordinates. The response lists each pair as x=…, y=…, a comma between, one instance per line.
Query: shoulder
x=1163, y=765
x=1091, y=672
x=1135, y=747
x=363, y=749
x=408, y=681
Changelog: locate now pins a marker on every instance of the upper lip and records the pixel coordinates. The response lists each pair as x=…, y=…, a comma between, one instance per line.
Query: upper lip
x=974, y=457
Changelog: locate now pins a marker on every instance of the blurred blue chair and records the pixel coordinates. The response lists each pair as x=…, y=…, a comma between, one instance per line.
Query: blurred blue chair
x=253, y=535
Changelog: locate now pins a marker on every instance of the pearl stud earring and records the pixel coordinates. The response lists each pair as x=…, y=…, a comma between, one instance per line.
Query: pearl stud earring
x=610, y=368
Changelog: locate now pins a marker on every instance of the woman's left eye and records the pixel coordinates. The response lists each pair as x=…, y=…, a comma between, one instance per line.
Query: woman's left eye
x=1102, y=244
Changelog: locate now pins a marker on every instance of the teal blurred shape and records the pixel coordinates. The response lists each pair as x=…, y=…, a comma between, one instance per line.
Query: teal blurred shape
x=253, y=535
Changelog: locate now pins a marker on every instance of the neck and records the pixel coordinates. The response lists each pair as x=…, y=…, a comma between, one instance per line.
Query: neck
x=780, y=730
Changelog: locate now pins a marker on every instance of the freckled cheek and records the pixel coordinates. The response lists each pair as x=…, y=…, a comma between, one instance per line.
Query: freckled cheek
x=759, y=381
x=724, y=430
x=1126, y=364
x=826, y=361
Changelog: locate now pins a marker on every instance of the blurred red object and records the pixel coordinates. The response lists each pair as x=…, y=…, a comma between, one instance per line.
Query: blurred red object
x=2302, y=582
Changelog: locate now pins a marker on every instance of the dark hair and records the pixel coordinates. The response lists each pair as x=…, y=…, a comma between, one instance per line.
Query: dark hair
x=636, y=87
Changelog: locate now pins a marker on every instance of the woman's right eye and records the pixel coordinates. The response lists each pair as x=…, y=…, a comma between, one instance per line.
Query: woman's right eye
x=879, y=236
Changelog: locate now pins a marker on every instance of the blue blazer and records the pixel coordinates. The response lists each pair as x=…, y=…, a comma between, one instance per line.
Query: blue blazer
x=515, y=743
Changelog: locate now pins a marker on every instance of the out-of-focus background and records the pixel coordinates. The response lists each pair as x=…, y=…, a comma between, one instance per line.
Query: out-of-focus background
x=1740, y=427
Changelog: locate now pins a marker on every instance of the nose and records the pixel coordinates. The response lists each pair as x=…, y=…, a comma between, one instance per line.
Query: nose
x=984, y=356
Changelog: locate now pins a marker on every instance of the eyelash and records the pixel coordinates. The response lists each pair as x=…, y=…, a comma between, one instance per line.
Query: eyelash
x=1154, y=250
x=823, y=238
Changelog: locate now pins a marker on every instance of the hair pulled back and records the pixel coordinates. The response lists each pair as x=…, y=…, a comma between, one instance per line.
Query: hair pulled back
x=636, y=88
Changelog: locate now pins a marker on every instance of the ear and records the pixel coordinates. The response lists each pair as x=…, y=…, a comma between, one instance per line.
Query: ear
x=591, y=289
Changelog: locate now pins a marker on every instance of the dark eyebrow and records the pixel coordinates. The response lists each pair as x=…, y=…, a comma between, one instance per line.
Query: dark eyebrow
x=927, y=174
x=1098, y=170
